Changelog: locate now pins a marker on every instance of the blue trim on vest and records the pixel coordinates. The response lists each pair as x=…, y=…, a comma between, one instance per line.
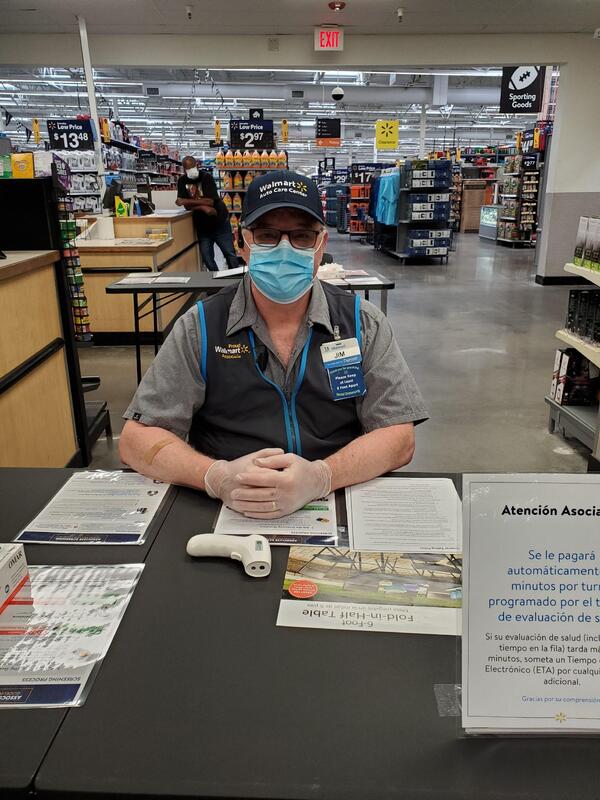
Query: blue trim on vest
x=202, y=319
x=288, y=427
x=358, y=333
x=299, y=380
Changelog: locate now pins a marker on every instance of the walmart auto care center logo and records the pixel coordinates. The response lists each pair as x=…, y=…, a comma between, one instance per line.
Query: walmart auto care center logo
x=232, y=350
x=293, y=186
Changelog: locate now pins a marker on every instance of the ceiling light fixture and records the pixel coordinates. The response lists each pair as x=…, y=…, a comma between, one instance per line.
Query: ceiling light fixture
x=338, y=5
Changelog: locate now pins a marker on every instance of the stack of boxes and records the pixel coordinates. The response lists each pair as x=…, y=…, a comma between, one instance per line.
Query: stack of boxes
x=587, y=244
x=424, y=209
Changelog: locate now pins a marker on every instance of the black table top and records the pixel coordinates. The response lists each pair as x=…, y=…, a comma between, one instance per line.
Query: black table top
x=26, y=734
x=204, y=282
x=201, y=695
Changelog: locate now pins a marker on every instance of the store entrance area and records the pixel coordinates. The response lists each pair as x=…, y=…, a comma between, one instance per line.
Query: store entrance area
x=478, y=335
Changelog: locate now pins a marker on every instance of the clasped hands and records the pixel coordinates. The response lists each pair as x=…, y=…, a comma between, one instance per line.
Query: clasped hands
x=269, y=483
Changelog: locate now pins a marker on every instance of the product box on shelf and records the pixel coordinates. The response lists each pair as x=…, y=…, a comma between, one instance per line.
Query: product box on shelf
x=577, y=380
x=555, y=372
x=591, y=257
x=22, y=165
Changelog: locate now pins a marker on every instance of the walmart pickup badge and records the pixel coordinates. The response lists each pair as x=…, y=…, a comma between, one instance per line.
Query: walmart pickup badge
x=386, y=134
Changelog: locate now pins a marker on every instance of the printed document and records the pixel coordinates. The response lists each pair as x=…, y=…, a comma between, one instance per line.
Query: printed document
x=53, y=641
x=350, y=590
x=98, y=508
x=316, y=523
x=417, y=515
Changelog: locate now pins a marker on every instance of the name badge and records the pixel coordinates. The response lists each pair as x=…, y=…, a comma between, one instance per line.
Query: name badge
x=342, y=360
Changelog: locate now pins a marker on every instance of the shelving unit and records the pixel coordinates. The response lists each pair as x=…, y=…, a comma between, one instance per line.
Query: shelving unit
x=423, y=229
x=358, y=207
x=519, y=195
x=580, y=422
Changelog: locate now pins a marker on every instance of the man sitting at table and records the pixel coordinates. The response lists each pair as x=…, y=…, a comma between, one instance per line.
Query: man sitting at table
x=274, y=392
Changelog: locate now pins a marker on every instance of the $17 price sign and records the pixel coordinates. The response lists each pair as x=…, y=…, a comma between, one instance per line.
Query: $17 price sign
x=70, y=134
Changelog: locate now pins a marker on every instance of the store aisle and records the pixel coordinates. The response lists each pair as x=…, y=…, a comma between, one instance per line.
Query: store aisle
x=478, y=335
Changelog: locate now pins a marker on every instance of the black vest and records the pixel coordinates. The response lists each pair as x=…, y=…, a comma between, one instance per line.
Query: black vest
x=244, y=411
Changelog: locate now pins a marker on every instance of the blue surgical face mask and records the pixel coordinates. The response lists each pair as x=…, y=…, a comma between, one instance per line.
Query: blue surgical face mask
x=282, y=273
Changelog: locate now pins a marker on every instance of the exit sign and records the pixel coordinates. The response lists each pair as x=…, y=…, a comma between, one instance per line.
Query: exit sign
x=329, y=39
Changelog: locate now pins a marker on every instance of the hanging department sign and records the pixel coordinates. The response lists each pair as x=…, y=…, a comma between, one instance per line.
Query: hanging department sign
x=522, y=90
x=70, y=134
x=328, y=132
x=386, y=134
x=251, y=134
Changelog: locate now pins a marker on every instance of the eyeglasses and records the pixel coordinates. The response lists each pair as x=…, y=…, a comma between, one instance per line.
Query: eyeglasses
x=299, y=238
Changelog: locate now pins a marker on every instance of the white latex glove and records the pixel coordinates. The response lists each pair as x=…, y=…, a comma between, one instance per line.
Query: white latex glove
x=280, y=484
x=223, y=477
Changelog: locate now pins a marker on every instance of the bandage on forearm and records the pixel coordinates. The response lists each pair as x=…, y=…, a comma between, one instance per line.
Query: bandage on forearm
x=153, y=451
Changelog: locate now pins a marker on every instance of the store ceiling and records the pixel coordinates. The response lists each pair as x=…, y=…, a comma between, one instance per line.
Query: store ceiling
x=183, y=113
x=299, y=16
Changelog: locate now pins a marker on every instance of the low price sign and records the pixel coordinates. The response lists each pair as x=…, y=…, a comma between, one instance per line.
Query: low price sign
x=70, y=134
x=248, y=134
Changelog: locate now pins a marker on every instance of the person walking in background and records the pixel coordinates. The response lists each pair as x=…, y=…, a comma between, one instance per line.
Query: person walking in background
x=197, y=192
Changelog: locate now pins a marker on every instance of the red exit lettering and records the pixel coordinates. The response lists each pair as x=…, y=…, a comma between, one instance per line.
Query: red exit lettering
x=329, y=39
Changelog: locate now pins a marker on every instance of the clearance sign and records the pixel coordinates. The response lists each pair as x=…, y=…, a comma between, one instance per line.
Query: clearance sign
x=386, y=134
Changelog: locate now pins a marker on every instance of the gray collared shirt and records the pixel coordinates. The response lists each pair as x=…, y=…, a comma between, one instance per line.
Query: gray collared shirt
x=172, y=389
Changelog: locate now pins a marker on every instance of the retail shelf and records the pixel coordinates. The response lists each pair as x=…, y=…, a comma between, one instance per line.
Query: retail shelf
x=233, y=191
x=248, y=169
x=85, y=194
x=520, y=242
x=584, y=272
x=590, y=351
x=95, y=171
x=504, y=194
x=511, y=174
x=581, y=422
x=123, y=145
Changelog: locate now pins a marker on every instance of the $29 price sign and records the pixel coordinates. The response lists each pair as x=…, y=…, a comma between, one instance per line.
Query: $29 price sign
x=70, y=134
x=251, y=135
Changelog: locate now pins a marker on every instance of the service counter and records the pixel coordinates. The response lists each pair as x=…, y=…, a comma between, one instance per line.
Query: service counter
x=36, y=415
x=133, y=249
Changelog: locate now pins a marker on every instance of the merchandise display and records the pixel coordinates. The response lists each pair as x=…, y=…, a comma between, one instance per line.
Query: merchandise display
x=517, y=224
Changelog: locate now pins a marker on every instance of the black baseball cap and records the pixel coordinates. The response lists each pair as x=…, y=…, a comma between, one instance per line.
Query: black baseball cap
x=281, y=188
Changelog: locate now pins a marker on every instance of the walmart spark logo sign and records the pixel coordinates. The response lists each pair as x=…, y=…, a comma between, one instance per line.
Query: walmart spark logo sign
x=386, y=134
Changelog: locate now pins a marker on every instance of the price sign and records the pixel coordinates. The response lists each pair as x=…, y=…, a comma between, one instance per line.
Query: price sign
x=70, y=134
x=251, y=135
x=363, y=171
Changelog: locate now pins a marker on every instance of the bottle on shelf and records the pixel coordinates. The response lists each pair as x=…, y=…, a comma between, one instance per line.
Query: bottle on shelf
x=227, y=201
x=228, y=181
x=228, y=159
x=237, y=202
x=264, y=159
x=248, y=179
x=273, y=159
x=238, y=181
x=237, y=158
x=220, y=159
x=255, y=158
x=281, y=159
x=247, y=158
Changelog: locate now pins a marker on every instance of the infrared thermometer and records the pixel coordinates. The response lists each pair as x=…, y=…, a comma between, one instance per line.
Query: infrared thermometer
x=253, y=551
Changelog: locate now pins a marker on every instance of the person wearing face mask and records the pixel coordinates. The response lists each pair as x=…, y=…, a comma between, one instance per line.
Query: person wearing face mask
x=277, y=391
x=197, y=192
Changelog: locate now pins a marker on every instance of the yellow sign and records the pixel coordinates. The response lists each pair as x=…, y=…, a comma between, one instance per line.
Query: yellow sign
x=386, y=134
x=105, y=129
x=217, y=130
x=536, y=138
x=458, y=154
x=284, y=131
x=35, y=124
x=519, y=139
